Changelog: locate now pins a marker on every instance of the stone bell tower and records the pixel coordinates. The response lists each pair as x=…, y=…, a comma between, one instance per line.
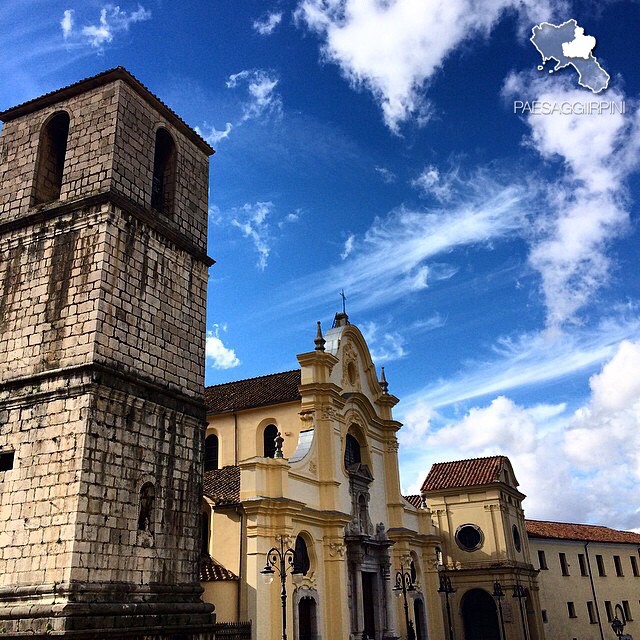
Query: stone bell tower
x=103, y=272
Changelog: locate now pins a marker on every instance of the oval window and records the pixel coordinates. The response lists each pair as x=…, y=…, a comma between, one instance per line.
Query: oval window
x=469, y=537
x=516, y=538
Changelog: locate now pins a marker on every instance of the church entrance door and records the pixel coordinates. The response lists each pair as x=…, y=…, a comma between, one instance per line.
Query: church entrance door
x=307, y=619
x=480, y=616
x=369, y=603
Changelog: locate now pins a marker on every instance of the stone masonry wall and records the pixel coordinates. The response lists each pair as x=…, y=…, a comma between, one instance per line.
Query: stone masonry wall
x=49, y=294
x=89, y=156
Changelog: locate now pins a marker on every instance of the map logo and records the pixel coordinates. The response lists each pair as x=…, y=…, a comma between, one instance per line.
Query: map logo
x=569, y=46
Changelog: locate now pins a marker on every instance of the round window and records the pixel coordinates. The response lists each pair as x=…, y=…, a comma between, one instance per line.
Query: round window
x=516, y=538
x=469, y=537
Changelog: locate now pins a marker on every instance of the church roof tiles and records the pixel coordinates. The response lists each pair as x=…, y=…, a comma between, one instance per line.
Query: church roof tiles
x=465, y=473
x=212, y=571
x=262, y=391
x=222, y=486
x=586, y=532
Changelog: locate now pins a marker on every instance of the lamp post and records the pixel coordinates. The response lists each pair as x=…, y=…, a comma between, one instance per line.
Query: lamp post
x=404, y=584
x=520, y=593
x=618, y=624
x=281, y=561
x=446, y=588
x=498, y=594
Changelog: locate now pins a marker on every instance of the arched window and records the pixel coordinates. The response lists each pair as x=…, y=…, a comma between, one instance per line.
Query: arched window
x=52, y=149
x=164, y=172
x=301, y=562
x=269, y=436
x=351, y=451
x=147, y=498
x=211, y=453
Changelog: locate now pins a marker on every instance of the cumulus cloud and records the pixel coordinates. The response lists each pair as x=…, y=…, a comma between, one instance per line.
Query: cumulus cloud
x=587, y=206
x=593, y=453
x=112, y=21
x=393, y=49
x=220, y=356
x=266, y=25
x=264, y=101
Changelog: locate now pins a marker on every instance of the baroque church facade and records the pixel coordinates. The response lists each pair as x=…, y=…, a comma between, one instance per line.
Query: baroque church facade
x=136, y=504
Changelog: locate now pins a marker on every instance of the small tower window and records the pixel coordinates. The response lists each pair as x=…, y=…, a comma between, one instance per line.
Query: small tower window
x=351, y=451
x=270, y=434
x=52, y=149
x=164, y=172
x=204, y=532
x=147, y=498
x=211, y=453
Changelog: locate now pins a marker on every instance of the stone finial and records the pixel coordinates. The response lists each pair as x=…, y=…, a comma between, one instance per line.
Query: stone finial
x=279, y=440
x=384, y=385
x=320, y=341
x=423, y=499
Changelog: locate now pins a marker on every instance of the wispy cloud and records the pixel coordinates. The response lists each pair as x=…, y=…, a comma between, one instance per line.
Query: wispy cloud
x=112, y=21
x=587, y=207
x=220, y=356
x=212, y=135
x=441, y=186
x=252, y=220
x=529, y=360
x=385, y=345
x=398, y=251
x=348, y=246
x=264, y=101
x=393, y=49
x=267, y=24
x=386, y=174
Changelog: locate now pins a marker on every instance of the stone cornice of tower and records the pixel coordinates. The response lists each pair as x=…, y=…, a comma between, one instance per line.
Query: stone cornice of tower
x=106, y=77
x=55, y=209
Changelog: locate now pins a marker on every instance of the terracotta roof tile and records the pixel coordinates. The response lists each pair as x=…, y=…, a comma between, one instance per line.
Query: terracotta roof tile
x=414, y=500
x=275, y=388
x=222, y=486
x=587, y=532
x=464, y=473
x=212, y=571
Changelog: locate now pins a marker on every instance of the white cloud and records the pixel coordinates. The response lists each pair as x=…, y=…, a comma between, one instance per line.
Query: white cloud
x=395, y=252
x=442, y=186
x=221, y=357
x=593, y=455
x=213, y=135
x=263, y=101
x=67, y=23
x=348, y=246
x=251, y=219
x=266, y=25
x=589, y=207
x=393, y=49
x=111, y=22
x=290, y=218
x=384, y=345
x=528, y=360
x=386, y=174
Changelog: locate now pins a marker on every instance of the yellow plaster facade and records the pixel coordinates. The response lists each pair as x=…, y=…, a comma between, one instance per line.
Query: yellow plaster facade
x=337, y=487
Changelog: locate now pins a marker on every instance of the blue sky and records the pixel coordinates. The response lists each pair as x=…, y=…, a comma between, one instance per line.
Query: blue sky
x=489, y=257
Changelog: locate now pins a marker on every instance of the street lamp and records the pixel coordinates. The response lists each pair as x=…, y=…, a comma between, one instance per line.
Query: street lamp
x=446, y=588
x=520, y=593
x=498, y=594
x=617, y=624
x=281, y=561
x=404, y=584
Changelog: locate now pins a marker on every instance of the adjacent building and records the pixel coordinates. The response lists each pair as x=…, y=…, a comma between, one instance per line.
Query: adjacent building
x=587, y=575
